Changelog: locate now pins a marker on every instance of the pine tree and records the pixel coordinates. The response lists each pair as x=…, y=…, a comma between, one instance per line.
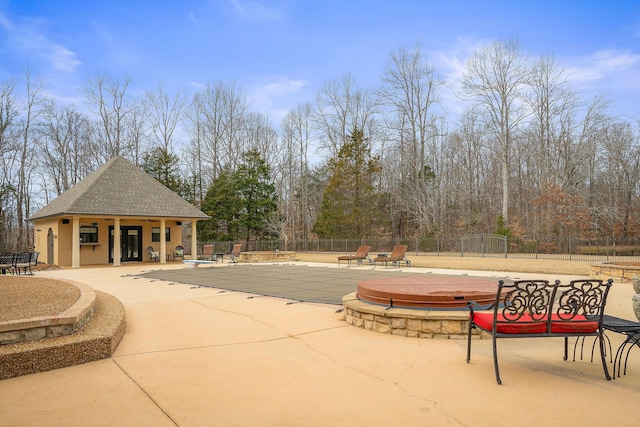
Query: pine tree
x=350, y=204
x=242, y=203
x=223, y=204
x=258, y=195
x=163, y=166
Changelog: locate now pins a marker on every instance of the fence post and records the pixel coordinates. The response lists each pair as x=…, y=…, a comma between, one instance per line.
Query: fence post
x=462, y=247
x=570, y=249
x=506, y=245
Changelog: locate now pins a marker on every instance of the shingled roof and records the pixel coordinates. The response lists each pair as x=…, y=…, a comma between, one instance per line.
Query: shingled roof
x=118, y=188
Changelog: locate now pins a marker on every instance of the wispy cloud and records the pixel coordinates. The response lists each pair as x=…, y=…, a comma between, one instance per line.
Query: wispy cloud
x=276, y=95
x=604, y=64
x=197, y=85
x=253, y=11
x=5, y=22
x=614, y=72
x=602, y=70
x=29, y=38
x=451, y=63
x=283, y=85
x=62, y=58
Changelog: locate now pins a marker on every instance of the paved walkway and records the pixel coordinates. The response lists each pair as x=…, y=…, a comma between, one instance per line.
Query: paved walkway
x=196, y=356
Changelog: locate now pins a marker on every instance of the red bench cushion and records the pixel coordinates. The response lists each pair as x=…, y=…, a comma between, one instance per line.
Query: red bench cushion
x=523, y=326
x=577, y=325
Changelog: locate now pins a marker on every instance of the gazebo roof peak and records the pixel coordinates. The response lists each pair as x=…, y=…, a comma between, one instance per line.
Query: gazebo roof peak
x=119, y=188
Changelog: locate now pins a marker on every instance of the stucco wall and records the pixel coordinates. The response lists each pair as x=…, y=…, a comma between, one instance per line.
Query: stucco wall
x=40, y=240
x=98, y=253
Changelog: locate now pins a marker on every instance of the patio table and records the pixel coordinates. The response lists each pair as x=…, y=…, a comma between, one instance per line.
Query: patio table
x=626, y=327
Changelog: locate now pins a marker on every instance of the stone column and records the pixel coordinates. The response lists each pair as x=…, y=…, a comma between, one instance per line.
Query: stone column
x=163, y=242
x=75, y=243
x=194, y=240
x=117, y=254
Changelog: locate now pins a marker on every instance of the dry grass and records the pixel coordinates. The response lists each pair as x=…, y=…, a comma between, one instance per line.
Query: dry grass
x=543, y=266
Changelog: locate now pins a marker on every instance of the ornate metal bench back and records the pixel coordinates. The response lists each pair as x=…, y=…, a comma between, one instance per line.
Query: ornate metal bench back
x=523, y=301
x=6, y=258
x=23, y=257
x=581, y=300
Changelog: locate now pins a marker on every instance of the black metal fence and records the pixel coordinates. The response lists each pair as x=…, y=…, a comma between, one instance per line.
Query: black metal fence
x=482, y=245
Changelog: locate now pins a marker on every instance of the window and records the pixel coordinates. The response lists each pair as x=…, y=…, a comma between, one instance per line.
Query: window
x=89, y=233
x=155, y=234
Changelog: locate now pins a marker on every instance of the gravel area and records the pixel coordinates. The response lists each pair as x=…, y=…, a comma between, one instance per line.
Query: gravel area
x=27, y=296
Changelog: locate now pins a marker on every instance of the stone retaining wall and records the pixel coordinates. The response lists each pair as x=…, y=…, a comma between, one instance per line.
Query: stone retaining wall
x=97, y=340
x=267, y=256
x=66, y=323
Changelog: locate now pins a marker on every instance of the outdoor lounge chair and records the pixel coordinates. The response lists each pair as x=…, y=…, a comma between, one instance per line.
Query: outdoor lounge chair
x=235, y=252
x=397, y=256
x=153, y=255
x=207, y=252
x=361, y=254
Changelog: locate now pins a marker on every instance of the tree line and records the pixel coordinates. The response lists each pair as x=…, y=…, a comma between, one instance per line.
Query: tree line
x=524, y=155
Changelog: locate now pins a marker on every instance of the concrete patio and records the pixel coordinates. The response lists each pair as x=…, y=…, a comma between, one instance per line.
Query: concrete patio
x=197, y=356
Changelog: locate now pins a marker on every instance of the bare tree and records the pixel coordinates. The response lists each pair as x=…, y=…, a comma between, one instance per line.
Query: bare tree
x=136, y=131
x=259, y=135
x=293, y=188
x=621, y=175
x=341, y=107
x=31, y=110
x=216, y=120
x=106, y=98
x=468, y=181
x=8, y=149
x=165, y=113
x=63, y=135
x=192, y=153
x=410, y=89
x=495, y=78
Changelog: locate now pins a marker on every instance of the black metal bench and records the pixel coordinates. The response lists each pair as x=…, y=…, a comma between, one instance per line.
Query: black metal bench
x=538, y=309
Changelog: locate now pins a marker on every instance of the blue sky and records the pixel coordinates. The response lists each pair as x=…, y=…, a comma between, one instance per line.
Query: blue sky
x=281, y=51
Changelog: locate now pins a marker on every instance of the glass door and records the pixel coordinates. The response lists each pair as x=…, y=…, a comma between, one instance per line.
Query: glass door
x=130, y=243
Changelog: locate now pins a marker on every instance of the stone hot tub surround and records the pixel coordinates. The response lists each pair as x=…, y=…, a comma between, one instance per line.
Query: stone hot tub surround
x=619, y=271
x=422, y=307
x=406, y=322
